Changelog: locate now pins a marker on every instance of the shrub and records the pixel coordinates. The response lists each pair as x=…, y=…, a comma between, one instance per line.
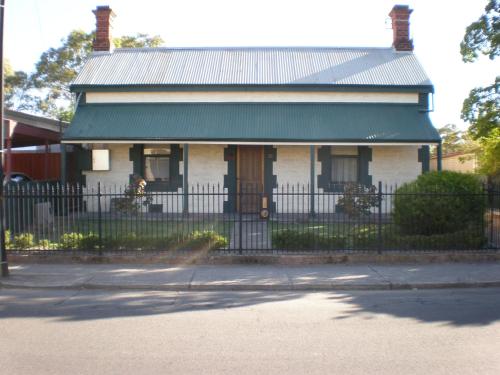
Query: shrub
x=45, y=244
x=204, y=240
x=358, y=200
x=469, y=239
x=197, y=240
x=295, y=240
x=8, y=239
x=78, y=241
x=439, y=202
x=71, y=241
x=23, y=241
x=134, y=196
x=89, y=242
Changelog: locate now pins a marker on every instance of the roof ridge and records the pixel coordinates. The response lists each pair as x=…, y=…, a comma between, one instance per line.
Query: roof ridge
x=226, y=48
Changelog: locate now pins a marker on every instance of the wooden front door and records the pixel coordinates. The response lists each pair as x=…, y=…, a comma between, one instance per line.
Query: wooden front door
x=250, y=178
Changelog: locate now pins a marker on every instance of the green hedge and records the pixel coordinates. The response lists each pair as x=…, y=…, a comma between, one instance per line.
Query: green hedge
x=295, y=240
x=438, y=203
x=197, y=240
x=467, y=239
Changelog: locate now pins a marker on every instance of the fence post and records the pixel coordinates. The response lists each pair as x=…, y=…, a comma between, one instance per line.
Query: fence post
x=379, y=221
x=99, y=217
x=4, y=265
x=491, y=202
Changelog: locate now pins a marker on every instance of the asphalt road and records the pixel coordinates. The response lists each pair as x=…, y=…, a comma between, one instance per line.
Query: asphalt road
x=391, y=332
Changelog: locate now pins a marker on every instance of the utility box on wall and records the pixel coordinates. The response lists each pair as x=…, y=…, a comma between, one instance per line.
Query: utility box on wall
x=100, y=160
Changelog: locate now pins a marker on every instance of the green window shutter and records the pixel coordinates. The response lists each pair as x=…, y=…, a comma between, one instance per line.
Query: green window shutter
x=175, y=175
x=230, y=178
x=424, y=158
x=325, y=158
x=365, y=157
x=84, y=159
x=83, y=163
x=135, y=156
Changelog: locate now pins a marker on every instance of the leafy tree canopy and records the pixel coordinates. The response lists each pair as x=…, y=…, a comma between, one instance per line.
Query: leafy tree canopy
x=46, y=91
x=15, y=84
x=455, y=140
x=489, y=157
x=482, y=108
x=483, y=36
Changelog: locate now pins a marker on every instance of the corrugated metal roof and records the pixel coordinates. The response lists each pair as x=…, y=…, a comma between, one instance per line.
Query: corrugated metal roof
x=253, y=66
x=264, y=122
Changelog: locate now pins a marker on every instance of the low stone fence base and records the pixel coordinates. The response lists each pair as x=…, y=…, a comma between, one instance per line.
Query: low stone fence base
x=388, y=257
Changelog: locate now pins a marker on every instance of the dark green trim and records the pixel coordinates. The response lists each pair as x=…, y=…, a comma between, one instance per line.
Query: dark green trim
x=325, y=158
x=256, y=122
x=230, y=178
x=175, y=174
x=243, y=87
x=229, y=140
x=365, y=157
x=83, y=163
x=137, y=158
x=270, y=179
x=424, y=157
x=423, y=100
x=83, y=99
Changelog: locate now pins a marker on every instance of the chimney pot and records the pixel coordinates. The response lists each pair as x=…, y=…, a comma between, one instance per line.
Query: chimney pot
x=400, y=15
x=104, y=24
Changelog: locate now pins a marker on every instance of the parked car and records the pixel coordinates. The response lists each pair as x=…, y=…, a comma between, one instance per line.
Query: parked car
x=19, y=177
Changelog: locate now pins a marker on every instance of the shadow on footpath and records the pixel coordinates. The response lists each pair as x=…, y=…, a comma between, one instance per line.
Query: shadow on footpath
x=457, y=307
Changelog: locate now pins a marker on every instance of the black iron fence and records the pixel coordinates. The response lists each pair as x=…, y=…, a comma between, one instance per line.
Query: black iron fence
x=52, y=217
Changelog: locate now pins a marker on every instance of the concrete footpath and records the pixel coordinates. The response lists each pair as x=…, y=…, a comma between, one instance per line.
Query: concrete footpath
x=253, y=277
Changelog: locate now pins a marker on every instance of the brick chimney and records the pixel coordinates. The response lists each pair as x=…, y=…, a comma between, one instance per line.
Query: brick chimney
x=400, y=16
x=104, y=23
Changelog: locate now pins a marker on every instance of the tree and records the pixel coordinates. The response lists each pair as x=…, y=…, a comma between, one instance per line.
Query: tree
x=489, y=157
x=451, y=138
x=16, y=85
x=138, y=41
x=483, y=35
x=455, y=140
x=482, y=108
x=58, y=67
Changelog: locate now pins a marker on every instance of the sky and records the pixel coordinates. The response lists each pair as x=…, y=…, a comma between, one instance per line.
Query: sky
x=437, y=27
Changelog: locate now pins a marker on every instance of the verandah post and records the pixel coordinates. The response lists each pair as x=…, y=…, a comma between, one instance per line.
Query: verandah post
x=185, y=190
x=439, y=157
x=312, y=177
x=379, y=221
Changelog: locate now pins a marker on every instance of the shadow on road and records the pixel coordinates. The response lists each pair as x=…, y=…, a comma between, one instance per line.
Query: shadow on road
x=459, y=307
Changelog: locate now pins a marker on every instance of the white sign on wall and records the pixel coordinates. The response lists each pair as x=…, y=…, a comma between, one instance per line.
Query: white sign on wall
x=100, y=160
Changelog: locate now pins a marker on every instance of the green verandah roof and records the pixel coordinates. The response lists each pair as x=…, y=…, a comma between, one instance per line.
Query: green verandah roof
x=252, y=122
